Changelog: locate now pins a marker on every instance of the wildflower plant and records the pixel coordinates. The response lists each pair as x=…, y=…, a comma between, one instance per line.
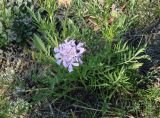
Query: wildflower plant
x=111, y=66
x=104, y=69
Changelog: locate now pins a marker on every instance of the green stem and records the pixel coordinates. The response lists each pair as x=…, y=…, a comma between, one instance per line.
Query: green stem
x=65, y=23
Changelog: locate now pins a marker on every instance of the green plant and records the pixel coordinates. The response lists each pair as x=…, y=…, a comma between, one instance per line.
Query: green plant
x=107, y=84
x=16, y=22
x=110, y=66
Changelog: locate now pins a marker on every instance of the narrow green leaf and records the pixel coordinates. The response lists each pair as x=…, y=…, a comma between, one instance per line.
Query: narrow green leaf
x=136, y=65
x=39, y=43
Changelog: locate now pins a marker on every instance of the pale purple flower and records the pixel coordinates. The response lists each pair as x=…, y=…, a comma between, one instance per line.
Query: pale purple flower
x=69, y=54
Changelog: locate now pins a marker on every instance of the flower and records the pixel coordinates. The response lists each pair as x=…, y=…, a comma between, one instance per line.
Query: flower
x=69, y=54
x=64, y=2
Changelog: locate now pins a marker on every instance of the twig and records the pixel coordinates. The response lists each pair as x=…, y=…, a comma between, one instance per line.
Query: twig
x=92, y=109
x=51, y=109
x=73, y=114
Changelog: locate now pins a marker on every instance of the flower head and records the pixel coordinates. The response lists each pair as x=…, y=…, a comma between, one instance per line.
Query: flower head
x=69, y=54
x=64, y=2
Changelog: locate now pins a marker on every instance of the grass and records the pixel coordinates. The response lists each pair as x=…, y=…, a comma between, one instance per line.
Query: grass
x=109, y=83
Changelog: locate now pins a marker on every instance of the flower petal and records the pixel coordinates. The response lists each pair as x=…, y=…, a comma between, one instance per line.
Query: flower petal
x=70, y=68
x=80, y=61
x=66, y=41
x=59, y=61
x=65, y=64
x=80, y=45
x=75, y=64
x=81, y=50
x=58, y=55
x=56, y=50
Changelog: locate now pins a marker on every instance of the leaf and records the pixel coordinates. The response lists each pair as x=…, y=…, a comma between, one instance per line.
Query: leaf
x=1, y=27
x=122, y=20
x=39, y=43
x=132, y=4
x=32, y=14
x=136, y=65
